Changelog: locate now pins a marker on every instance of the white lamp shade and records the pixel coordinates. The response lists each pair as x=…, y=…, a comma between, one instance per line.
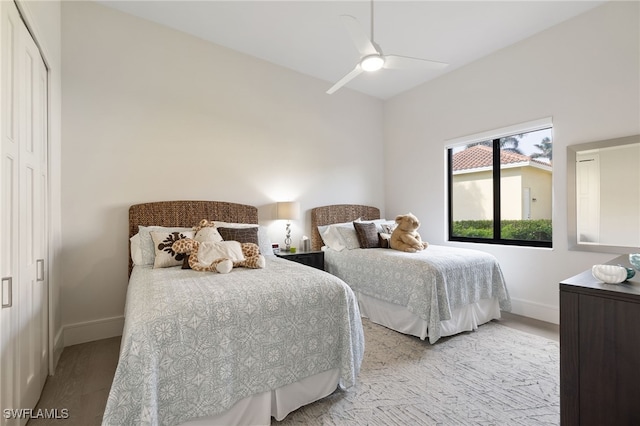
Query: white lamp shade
x=288, y=210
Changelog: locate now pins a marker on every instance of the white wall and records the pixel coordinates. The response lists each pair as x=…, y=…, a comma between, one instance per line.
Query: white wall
x=153, y=114
x=584, y=73
x=43, y=19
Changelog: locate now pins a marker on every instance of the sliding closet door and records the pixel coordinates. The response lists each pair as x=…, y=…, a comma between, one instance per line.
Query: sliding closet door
x=9, y=212
x=33, y=309
x=23, y=216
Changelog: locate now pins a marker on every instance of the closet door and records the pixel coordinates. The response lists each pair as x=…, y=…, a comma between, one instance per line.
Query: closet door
x=23, y=216
x=33, y=306
x=9, y=212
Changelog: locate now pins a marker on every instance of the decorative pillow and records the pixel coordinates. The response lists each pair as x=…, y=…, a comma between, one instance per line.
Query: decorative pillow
x=242, y=235
x=147, y=249
x=349, y=237
x=367, y=234
x=384, y=239
x=164, y=254
x=387, y=228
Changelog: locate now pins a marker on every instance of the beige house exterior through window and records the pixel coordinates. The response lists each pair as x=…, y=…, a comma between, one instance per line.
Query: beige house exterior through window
x=525, y=186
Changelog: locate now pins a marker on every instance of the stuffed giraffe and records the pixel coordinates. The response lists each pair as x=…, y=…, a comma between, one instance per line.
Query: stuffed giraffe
x=250, y=251
x=191, y=247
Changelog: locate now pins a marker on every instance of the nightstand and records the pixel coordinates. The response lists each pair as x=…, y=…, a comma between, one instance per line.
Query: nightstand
x=309, y=258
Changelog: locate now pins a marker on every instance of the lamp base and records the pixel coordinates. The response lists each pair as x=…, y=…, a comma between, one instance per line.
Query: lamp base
x=287, y=239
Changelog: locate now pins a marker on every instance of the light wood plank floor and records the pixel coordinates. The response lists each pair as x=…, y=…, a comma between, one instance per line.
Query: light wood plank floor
x=84, y=374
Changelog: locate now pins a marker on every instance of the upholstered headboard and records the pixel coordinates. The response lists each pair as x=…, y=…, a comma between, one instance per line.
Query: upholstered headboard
x=187, y=214
x=338, y=213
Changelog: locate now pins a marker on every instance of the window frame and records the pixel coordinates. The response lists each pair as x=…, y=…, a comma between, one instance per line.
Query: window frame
x=494, y=137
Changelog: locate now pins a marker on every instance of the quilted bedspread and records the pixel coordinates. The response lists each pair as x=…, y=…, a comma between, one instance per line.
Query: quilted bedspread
x=194, y=343
x=430, y=283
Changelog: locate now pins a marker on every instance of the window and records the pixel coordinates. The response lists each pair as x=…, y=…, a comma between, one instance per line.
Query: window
x=500, y=188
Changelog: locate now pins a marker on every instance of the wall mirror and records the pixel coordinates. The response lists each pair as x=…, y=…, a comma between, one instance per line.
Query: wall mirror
x=603, y=190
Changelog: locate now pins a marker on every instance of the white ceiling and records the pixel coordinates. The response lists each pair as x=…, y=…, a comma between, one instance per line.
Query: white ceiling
x=308, y=36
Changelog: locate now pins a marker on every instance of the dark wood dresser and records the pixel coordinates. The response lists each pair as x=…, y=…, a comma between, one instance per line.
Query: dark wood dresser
x=600, y=350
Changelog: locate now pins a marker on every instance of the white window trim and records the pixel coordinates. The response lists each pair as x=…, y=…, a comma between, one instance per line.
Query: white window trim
x=530, y=126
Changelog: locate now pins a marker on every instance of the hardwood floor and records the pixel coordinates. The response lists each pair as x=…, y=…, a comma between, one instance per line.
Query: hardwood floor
x=84, y=374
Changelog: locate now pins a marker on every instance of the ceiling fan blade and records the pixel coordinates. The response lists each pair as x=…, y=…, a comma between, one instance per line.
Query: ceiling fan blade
x=344, y=80
x=360, y=39
x=407, y=62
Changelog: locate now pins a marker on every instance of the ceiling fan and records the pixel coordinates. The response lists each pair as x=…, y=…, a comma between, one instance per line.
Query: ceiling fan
x=372, y=58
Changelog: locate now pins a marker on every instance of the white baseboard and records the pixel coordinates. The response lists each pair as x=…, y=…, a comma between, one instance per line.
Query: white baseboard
x=89, y=331
x=58, y=346
x=538, y=311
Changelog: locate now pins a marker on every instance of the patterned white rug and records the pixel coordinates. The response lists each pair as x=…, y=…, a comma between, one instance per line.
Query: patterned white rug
x=495, y=375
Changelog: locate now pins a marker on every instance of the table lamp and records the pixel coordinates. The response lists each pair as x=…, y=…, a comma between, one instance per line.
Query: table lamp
x=288, y=210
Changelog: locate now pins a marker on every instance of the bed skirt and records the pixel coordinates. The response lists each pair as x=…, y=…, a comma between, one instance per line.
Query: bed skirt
x=396, y=317
x=258, y=409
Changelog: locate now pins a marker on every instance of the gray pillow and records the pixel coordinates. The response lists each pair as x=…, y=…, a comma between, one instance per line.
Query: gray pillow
x=367, y=234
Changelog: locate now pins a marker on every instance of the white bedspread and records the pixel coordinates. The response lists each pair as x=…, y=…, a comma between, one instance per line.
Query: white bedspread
x=194, y=343
x=430, y=283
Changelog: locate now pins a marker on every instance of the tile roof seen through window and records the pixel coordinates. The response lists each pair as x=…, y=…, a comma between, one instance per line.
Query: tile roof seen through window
x=480, y=156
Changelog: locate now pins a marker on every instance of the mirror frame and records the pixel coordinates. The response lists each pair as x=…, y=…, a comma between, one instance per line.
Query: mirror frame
x=572, y=219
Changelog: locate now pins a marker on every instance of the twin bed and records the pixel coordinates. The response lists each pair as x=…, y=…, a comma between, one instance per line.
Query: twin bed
x=440, y=291
x=237, y=348
x=240, y=348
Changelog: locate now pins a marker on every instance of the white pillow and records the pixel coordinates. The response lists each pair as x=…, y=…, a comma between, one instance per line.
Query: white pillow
x=220, y=224
x=349, y=237
x=136, y=253
x=146, y=243
x=264, y=242
x=332, y=239
x=330, y=236
x=164, y=254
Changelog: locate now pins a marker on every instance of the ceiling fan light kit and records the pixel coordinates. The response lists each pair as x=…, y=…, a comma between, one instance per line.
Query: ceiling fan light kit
x=371, y=57
x=372, y=62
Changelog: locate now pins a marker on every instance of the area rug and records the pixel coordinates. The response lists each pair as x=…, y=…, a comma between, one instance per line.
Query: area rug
x=495, y=375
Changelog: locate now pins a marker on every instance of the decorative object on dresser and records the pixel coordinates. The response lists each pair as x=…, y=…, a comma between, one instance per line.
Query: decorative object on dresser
x=599, y=350
x=309, y=258
x=610, y=274
x=288, y=210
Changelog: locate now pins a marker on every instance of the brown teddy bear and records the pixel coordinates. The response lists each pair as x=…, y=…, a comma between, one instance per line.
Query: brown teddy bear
x=405, y=237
